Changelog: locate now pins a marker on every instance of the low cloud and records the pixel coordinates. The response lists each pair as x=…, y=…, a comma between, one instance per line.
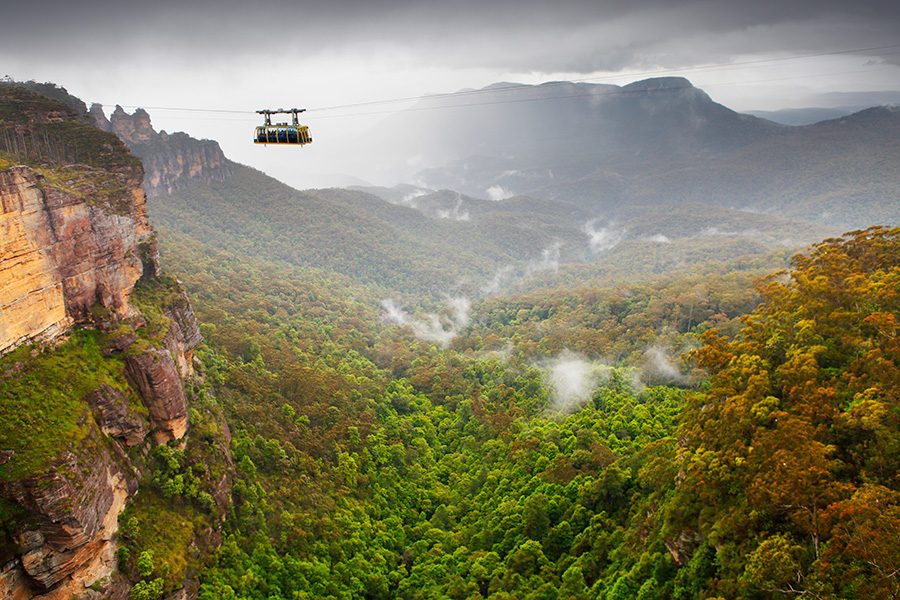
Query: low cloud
x=715, y=232
x=659, y=239
x=603, y=238
x=507, y=276
x=659, y=367
x=756, y=235
x=502, y=279
x=393, y=313
x=440, y=327
x=454, y=214
x=503, y=354
x=410, y=198
x=497, y=193
x=549, y=260
x=572, y=380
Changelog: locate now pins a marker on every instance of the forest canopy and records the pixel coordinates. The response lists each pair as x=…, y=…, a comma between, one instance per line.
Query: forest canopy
x=373, y=465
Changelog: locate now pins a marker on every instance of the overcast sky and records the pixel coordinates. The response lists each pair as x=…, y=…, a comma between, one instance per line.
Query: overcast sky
x=241, y=55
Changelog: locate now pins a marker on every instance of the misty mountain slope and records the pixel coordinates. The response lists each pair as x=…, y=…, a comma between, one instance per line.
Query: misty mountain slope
x=840, y=172
x=843, y=172
x=399, y=194
x=699, y=220
x=569, y=127
x=356, y=234
x=634, y=258
x=253, y=214
x=449, y=204
x=509, y=243
x=499, y=233
x=803, y=116
x=560, y=123
x=632, y=220
x=508, y=220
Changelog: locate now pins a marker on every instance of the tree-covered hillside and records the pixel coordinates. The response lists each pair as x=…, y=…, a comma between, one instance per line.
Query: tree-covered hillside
x=426, y=395
x=451, y=244
x=788, y=462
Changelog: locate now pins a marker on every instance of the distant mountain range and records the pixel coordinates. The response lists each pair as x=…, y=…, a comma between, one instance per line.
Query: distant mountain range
x=804, y=116
x=654, y=142
x=442, y=242
x=829, y=106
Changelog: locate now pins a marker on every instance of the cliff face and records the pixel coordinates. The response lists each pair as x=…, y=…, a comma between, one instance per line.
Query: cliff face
x=73, y=508
x=69, y=507
x=170, y=160
x=76, y=249
x=63, y=252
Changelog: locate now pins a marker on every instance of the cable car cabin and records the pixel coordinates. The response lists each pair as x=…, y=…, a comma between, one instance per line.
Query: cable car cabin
x=283, y=134
x=294, y=134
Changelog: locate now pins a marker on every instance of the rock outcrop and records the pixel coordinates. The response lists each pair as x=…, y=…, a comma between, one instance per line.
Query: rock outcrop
x=73, y=510
x=171, y=161
x=66, y=542
x=184, y=334
x=154, y=374
x=158, y=370
x=68, y=247
x=14, y=584
x=115, y=417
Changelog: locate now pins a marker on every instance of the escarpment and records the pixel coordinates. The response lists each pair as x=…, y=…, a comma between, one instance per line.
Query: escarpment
x=170, y=161
x=96, y=351
x=72, y=510
x=68, y=247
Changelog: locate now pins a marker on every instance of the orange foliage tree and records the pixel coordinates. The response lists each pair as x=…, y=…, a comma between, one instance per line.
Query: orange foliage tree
x=794, y=446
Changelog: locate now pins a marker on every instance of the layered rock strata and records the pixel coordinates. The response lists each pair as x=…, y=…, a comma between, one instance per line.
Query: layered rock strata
x=72, y=515
x=66, y=249
x=66, y=543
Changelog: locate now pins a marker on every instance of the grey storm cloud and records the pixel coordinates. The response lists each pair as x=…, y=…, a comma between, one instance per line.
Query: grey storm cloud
x=579, y=36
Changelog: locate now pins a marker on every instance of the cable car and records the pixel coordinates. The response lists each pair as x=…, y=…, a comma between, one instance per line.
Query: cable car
x=294, y=134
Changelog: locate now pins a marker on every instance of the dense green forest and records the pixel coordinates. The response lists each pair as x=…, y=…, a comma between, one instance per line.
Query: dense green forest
x=370, y=464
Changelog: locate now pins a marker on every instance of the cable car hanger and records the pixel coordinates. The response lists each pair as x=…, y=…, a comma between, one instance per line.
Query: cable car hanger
x=294, y=134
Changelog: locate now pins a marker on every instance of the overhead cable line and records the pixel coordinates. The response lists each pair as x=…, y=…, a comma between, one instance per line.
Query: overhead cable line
x=519, y=86
x=599, y=94
x=594, y=94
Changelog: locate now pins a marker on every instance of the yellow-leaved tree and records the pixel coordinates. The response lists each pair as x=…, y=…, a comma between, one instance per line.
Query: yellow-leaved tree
x=788, y=462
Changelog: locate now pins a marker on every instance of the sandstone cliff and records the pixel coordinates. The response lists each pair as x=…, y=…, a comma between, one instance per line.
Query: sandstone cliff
x=73, y=507
x=170, y=160
x=74, y=233
x=98, y=347
x=157, y=372
x=67, y=246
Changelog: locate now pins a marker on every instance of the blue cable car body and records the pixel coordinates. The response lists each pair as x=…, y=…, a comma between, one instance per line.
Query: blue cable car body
x=294, y=134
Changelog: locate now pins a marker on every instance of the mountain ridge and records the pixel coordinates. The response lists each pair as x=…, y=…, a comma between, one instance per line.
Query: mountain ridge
x=600, y=146
x=170, y=160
